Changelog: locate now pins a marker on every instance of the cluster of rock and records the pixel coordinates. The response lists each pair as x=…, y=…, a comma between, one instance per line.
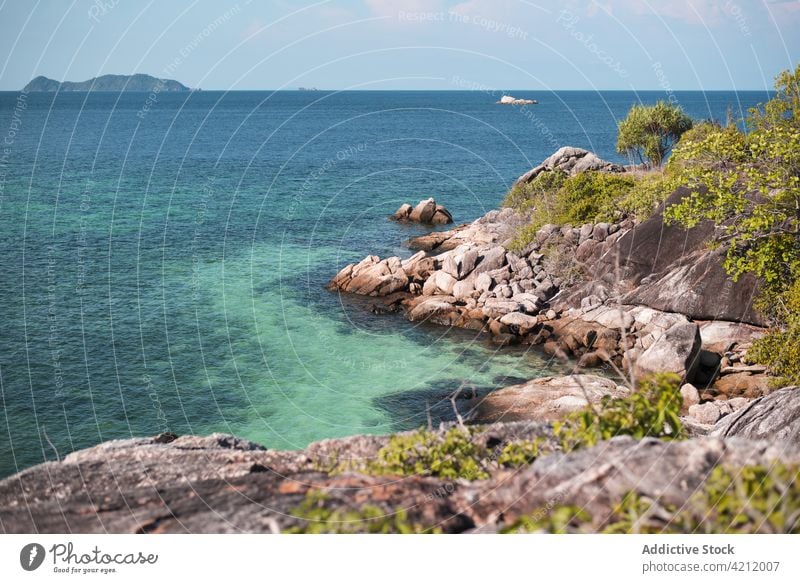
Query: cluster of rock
x=223, y=484
x=509, y=100
x=571, y=161
x=468, y=278
x=644, y=297
x=427, y=212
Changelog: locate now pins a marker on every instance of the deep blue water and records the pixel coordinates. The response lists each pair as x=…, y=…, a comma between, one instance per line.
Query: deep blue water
x=163, y=262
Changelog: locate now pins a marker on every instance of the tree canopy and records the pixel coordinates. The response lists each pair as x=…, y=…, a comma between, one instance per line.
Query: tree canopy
x=649, y=132
x=748, y=184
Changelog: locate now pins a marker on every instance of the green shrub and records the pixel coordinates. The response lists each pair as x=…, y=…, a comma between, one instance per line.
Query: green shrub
x=753, y=499
x=554, y=198
x=562, y=519
x=649, y=411
x=590, y=197
x=369, y=519
x=648, y=132
x=538, y=192
x=748, y=185
x=779, y=349
x=519, y=453
x=747, y=500
x=649, y=191
x=449, y=456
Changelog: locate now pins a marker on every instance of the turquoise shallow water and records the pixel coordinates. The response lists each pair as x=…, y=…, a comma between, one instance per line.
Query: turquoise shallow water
x=164, y=270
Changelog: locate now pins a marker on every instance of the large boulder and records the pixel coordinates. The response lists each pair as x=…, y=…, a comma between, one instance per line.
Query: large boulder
x=719, y=336
x=773, y=417
x=371, y=277
x=460, y=262
x=676, y=351
x=673, y=269
x=742, y=384
x=572, y=161
x=545, y=399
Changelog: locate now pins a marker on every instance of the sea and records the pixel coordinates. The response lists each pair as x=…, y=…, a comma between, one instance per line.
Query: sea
x=163, y=256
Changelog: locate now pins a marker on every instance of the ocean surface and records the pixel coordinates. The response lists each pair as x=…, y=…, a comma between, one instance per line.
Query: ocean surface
x=163, y=258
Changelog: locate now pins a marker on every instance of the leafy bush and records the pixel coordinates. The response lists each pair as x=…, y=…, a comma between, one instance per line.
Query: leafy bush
x=557, y=199
x=562, y=519
x=540, y=191
x=554, y=198
x=749, y=186
x=779, y=349
x=519, y=453
x=450, y=456
x=369, y=519
x=649, y=131
x=752, y=500
x=649, y=411
x=649, y=191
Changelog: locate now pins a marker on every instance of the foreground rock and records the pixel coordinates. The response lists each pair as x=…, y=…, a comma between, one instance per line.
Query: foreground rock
x=545, y=399
x=223, y=484
x=427, y=212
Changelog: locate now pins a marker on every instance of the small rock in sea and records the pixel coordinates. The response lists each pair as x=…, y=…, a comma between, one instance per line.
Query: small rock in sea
x=426, y=212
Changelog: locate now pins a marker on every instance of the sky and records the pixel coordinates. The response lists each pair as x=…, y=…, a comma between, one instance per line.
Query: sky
x=405, y=44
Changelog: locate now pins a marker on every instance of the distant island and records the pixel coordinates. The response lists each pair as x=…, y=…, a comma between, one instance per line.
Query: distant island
x=138, y=82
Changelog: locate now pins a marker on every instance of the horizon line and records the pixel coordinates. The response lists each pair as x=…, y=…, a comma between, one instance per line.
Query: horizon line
x=317, y=90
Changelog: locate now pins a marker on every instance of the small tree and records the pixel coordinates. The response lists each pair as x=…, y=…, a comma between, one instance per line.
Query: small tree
x=649, y=131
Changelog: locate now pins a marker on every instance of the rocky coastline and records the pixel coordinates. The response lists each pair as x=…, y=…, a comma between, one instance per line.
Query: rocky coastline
x=626, y=299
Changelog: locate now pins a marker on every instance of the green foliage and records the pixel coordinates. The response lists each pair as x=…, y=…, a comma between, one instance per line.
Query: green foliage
x=748, y=500
x=558, y=199
x=369, y=519
x=449, y=456
x=562, y=519
x=554, y=198
x=753, y=499
x=519, y=453
x=651, y=410
x=649, y=191
x=749, y=186
x=540, y=191
x=779, y=349
x=649, y=132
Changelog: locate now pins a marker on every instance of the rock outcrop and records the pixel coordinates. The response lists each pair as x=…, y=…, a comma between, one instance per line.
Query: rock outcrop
x=220, y=484
x=545, y=399
x=571, y=161
x=469, y=277
x=669, y=268
x=427, y=212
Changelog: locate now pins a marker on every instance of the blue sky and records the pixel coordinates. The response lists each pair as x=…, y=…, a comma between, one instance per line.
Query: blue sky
x=405, y=44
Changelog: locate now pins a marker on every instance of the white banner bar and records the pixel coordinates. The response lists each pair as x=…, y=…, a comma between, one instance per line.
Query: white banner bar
x=355, y=558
